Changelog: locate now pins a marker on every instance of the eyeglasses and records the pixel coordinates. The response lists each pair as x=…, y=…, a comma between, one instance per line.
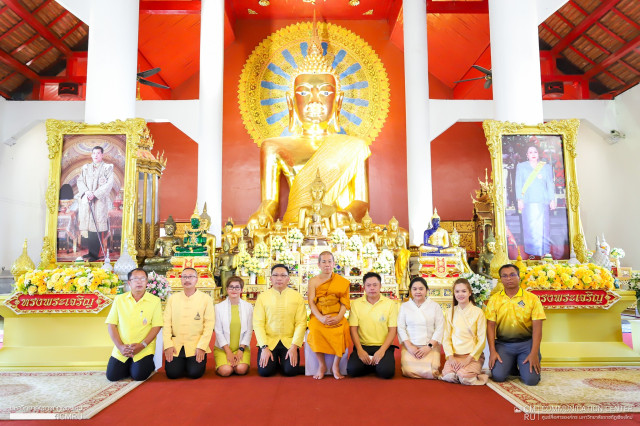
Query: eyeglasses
x=512, y=275
x=189, y=277
x=234, y=287
x=279, y=275
x=138, y=279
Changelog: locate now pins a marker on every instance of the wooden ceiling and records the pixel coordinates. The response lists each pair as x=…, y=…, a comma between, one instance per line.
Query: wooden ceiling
x=591, y=46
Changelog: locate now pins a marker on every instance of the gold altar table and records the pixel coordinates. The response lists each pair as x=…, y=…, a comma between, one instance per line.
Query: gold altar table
x=587, y=337
x=60, y=342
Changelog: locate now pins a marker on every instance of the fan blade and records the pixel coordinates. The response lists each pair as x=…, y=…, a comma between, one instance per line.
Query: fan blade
x=152, y=84
x=487, y=83
x=484, y=70
x=469, y=79
x=149, y=73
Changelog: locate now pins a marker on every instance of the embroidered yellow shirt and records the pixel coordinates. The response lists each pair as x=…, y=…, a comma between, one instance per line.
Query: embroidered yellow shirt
x=279, y=317
x=513, y=316
x=467, y=333
x=134, y=321
x=373, y=321
x=188, y=323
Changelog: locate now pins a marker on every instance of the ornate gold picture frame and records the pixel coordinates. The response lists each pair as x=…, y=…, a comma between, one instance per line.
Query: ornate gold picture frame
x=534, y=175
x=74, y=172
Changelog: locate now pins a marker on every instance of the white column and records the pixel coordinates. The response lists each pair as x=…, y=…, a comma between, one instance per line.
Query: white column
x=210, y=120
x=416, y=76
x=515, y=61
x=112, y=60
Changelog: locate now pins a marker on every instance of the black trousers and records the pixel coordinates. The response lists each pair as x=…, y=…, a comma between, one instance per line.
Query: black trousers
x=183, y=366
x=94, y=245
x=279, y=363
x=139, y=370
x=385, y=369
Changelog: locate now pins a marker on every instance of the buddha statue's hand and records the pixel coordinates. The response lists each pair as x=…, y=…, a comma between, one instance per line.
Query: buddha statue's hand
x=269, y=206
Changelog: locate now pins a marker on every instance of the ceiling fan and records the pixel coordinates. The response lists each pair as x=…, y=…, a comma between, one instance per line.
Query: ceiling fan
x=140, y=77
x=487, y=76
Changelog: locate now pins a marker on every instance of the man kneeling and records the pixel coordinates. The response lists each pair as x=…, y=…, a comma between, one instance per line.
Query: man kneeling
x=373, y=321
x=133, y=323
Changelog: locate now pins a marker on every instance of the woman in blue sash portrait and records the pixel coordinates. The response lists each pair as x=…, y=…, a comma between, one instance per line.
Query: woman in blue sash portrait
x=535, y=191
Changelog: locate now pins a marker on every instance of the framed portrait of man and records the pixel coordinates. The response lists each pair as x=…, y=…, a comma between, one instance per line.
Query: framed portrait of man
x=92, y=189
x=536, y=192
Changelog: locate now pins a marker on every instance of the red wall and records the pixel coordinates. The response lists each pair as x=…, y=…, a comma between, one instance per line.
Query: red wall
x=387, y=164
x=179, y=181
x=458, y=158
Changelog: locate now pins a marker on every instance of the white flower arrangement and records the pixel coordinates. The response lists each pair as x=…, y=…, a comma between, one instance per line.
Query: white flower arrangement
x=288, y=259
x=355, y=243
x=243, y=259
x=381, y=268
x=370, y=250
x=261, y=250
x=480, y=285
x=294, y=236
x=386, y=256
x=346, y=259
x=253, y=266
x=339, y=237
x=617, y=253
x=278, y=244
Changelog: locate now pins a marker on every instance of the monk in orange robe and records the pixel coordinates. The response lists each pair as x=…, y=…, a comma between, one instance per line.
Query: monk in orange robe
x=328, y=328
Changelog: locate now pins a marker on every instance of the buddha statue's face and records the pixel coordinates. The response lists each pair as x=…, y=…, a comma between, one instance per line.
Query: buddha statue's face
x=353, y=226
x=278, y=226
x=245, y=232
x=393, y=226
x=436, y=222
x=206, y=224
x=225, y=246
x=195, y=223
x=262, y=220
x=169, y=229
x=366, y=223
x=491, y=247
x=317, y=193
x=228, y=229
x=314, y=97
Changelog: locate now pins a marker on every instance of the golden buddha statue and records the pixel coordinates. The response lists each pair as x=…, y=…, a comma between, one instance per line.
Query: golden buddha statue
x=353, y=228
x=367, y=233
x=484, y=261
x=246, y=240
x=229, y=235
x=398, y=236
x=435, y=237
x=163, y=249
x=317, y=213
x=226, y=264
x=205, y=221
x=315, y=148
x=194, y=241
x=261, y=228
x=460, y=252
x=277, y=231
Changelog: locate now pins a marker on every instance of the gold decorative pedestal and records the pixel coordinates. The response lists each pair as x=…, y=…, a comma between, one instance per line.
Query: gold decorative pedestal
x=587, y=337
x=440, y=291
x=45, y=342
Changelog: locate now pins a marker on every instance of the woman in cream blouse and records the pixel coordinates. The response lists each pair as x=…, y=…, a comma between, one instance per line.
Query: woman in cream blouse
x=420, y=328
x=234, y=327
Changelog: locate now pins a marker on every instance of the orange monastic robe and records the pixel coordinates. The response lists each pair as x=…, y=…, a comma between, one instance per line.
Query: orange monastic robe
x=333, y=339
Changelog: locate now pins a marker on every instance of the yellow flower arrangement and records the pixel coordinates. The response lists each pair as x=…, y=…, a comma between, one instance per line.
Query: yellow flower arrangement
x=76, y=279
x=567, y=277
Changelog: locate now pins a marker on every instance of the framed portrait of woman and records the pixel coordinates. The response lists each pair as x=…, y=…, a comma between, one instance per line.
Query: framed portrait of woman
x=536, y=197
x=91, y=193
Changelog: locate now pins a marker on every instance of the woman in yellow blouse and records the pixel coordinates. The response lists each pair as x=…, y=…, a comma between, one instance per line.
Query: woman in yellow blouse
x=234, y=327
x=465, y=334
x=188, y=325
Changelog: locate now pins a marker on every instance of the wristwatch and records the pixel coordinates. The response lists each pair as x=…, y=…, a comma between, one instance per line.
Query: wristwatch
x=241, y=348
x=430, y=345
x=264, y=346
x=143, y=343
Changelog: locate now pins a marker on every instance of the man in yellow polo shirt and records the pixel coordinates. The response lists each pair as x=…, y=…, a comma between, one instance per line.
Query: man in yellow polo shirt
x=279, y=322
x=373, y=321
x=188, y=325
x=133, y=323
x=514, y=330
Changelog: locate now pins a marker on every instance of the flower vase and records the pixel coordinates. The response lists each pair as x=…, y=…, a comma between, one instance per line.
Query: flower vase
x=252, y=278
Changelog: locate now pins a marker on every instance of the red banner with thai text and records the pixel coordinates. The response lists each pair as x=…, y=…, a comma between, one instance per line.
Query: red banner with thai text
x=66, y=303
x=576, y=299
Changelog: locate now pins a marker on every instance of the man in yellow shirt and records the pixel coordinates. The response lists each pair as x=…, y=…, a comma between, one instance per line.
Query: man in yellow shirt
x=189, y=319
x=133, y=323
x=514, y=330
x=373, y=321
x=279, y=322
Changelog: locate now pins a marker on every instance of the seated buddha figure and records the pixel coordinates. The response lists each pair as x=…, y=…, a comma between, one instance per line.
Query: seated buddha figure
x=229, y=235
x=262, y=228
x=353, y=228
x=435, y=237
x=324, y=214
x=195, y=240
x=163, y=249
x=367, y=233
x=314, y=147
x=205, y=221
x=397, y=235
x=484, y=261
x=460, y=252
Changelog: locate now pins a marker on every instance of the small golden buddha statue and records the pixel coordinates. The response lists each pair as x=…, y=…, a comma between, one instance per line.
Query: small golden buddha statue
x=484, y=261
x=229, y=235
x=318, y=214
x=353, y=228
x=460, y=252
x=194, y=241
x=435, y=237
x=163, y=249
x=367, y=233
x=314, y=102
x=227, y=264
x=246, y=240
x=205, y=221
x=397, y=235
x=262, y=228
